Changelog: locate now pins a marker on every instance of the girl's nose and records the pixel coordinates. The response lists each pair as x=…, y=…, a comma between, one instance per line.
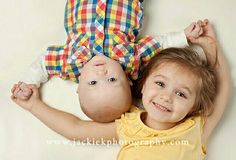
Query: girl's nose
x=166, y=96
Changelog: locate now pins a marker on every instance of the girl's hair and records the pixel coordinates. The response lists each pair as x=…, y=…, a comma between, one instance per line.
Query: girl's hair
x=189, y=59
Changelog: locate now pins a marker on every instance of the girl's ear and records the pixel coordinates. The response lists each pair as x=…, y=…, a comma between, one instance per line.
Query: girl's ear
x=130, y=81
x=143, y=88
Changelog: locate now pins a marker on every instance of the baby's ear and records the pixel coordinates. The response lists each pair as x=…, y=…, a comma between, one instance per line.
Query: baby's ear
x=77, y=91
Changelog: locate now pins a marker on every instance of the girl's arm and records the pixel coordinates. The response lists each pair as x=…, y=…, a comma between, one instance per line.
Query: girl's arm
x=71, y=126
x=209, y=44
x=65, y=123
x=223, y=94
x=224, y=89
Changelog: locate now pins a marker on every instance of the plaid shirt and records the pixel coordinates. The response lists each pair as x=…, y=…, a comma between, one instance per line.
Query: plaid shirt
x=107, y=27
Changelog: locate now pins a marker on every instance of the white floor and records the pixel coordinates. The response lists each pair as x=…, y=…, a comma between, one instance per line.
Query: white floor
x=29, y=26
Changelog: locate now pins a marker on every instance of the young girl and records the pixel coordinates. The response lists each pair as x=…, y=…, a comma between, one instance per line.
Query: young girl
x=183, y=96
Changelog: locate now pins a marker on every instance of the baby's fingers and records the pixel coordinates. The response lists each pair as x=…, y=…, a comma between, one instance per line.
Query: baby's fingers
x=16, y=91
x=196, y=30
x=13, y=88
x=13, y=98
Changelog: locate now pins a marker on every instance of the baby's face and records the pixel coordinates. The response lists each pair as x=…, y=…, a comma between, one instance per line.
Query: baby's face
x=104, y=89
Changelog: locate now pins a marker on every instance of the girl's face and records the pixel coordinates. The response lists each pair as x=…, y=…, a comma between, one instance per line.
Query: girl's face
x=169, y=94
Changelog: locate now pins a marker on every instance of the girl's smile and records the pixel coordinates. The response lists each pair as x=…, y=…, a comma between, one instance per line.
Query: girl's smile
x=161, y=107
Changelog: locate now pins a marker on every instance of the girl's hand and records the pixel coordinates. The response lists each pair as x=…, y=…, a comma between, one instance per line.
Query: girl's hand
x=29, y=103
x=207, y=41
x=207, y=37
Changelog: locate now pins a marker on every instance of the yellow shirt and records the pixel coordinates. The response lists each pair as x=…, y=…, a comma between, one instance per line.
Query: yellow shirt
x=138, y=141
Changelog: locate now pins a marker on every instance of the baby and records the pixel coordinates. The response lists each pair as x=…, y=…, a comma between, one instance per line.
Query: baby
x=102, y=54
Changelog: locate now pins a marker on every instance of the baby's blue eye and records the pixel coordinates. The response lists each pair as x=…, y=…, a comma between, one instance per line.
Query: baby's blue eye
x=112, y=79
x=92, y=82
x=181, y=94
x=161, y=84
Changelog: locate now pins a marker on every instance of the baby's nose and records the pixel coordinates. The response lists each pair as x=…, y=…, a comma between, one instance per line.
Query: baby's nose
x=102, y=72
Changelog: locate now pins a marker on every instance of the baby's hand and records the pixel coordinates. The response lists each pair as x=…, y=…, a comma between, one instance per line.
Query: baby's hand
x=26, y=102
x=207, y=40
x=194, y=30
x=21, y=91
x=207, y=36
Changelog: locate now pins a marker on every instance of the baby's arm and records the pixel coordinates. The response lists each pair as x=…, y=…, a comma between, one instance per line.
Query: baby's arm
x=35, y=74
x=179, y=39
x=51, y=63
x=65, y=123
x=210, y=46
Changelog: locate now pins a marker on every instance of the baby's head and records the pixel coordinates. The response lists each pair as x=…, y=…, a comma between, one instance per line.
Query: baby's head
x=176, y=84
x=104, y=89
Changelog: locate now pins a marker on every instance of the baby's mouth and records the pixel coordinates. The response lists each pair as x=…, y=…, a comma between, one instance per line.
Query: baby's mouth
x=160, y=107
x=99, y=63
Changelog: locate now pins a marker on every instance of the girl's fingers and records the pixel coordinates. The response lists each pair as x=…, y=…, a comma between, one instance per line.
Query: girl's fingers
x=192, y=39
x=24, y=97
x=32, y=86
x=27, y=93
x=205, y=21
x=199, y=22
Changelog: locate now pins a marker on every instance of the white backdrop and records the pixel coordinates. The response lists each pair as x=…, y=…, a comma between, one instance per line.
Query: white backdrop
x=29, y=26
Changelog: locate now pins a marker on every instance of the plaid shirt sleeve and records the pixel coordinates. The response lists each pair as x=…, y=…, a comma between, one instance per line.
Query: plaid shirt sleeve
x=66, y=62
x=55, y=61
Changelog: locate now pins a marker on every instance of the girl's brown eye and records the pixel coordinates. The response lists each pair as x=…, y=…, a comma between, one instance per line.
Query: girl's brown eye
x=161, y=84
x=181, y=94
